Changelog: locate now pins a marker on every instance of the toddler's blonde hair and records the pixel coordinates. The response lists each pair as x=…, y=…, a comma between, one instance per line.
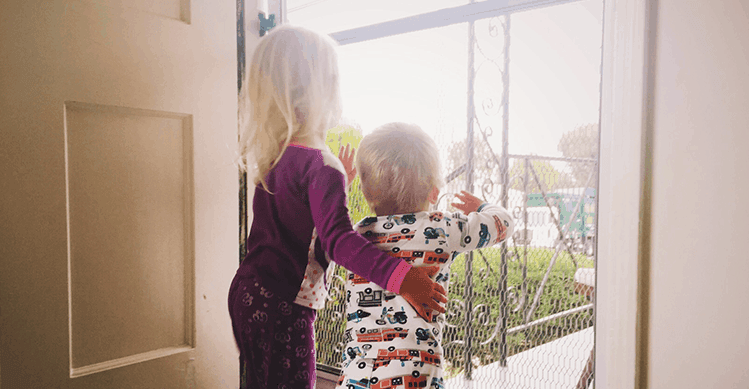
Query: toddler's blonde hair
x=291, y=89
x=398, y=164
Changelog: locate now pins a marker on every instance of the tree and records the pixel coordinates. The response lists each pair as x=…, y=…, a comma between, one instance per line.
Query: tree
x=582, y=142
x=486, y=165
x=486, y=168
x=550, y=177
x=342, y=135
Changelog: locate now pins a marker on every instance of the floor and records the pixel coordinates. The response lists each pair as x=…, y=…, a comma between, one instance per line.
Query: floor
x=555, y=365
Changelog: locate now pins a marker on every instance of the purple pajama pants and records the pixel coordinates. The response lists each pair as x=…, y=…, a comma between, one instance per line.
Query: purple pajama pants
x=275, y=337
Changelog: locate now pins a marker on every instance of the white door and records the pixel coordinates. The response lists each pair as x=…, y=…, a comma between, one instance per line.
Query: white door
x=118, y=193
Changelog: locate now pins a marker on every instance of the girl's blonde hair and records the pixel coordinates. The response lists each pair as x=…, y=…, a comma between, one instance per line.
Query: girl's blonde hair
x=398, y=165
x=290, y=90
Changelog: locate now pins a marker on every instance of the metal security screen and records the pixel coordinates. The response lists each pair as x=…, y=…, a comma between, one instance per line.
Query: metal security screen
x=480, y=78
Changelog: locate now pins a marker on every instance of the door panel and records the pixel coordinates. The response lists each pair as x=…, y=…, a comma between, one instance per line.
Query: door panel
x=131, y=169
x=118, y=193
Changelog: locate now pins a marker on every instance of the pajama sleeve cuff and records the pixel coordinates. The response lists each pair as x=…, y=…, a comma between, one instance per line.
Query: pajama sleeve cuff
x=396, y=278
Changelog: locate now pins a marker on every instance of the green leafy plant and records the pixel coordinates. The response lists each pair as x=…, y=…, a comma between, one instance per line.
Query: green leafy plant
x=340, y=137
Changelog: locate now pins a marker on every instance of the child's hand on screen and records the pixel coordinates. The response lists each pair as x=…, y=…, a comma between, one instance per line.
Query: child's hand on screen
x=470, y=203
x=347, y=158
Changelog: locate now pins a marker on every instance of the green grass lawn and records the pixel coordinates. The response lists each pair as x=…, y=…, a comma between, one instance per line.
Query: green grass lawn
x=558, y=296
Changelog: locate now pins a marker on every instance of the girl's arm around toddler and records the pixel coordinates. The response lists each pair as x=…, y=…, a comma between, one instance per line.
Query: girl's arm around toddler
x=327, y=198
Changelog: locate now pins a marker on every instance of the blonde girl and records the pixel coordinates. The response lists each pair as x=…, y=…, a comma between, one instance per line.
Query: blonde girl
x=290, y=98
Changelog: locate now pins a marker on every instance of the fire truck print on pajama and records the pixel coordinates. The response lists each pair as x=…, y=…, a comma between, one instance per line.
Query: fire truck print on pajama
x=388, y=346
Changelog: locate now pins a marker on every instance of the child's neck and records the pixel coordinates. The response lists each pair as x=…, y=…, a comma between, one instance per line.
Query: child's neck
x=399, y=212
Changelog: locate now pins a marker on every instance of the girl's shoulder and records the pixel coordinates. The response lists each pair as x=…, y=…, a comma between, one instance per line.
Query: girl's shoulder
x=321, y=156
x=329, y=159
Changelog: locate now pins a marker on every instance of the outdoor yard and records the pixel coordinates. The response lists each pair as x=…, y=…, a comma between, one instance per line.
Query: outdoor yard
x=558, y=296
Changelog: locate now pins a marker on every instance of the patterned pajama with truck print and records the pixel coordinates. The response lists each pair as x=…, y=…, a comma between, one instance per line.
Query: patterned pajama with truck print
x=387, y=344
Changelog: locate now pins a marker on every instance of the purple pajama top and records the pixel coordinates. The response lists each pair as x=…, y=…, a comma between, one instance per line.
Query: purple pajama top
x=307, y=199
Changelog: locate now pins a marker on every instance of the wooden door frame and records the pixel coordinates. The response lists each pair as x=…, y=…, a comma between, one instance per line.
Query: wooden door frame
x=623, y=279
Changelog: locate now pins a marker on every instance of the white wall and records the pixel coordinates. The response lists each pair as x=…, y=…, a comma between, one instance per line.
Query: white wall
x=700, y=250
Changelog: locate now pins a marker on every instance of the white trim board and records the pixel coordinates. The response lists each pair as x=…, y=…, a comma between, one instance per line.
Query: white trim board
x=624, y=113
x=441, y=18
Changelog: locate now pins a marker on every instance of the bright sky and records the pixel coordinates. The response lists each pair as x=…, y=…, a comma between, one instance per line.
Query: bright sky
x=421, y=77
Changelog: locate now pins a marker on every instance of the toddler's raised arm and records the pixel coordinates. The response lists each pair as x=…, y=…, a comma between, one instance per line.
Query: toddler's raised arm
x=480, y=225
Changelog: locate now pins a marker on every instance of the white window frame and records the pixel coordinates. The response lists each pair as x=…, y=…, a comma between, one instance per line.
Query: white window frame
x=622, y=284
x=441, y=18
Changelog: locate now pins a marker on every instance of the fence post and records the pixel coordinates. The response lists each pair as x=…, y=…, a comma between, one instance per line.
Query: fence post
x=505, y=170
x=526, y=164
x=468, y=290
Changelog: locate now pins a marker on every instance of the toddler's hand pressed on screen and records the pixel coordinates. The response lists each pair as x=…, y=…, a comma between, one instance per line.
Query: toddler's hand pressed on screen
x=470, y=203
x=347, y=159
x=422, y=293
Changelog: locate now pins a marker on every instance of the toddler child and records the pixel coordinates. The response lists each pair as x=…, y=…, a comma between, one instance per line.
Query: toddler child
x=388, y=344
